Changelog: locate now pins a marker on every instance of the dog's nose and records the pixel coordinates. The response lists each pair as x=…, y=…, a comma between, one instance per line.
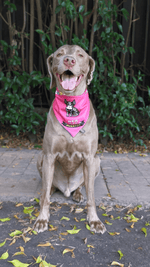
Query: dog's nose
x=69, y=61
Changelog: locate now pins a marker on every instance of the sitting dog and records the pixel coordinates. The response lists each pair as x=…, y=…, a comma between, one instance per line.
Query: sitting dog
x=70, y=141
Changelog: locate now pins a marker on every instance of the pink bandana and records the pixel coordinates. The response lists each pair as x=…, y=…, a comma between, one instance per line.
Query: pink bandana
x=72, y=112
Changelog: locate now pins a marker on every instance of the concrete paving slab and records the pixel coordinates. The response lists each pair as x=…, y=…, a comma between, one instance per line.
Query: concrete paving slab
x=125, y=176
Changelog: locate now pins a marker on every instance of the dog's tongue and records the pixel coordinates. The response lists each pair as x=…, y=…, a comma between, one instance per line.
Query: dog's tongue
x=69, y=84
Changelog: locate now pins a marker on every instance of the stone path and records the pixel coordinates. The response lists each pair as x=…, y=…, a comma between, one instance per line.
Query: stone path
x=124, y=177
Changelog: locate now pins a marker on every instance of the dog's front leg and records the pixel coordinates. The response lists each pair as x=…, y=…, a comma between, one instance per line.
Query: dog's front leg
x=41, y=224
x=89, y=176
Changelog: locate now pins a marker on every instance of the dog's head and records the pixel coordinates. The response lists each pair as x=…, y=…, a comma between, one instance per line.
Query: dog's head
x=71, y=69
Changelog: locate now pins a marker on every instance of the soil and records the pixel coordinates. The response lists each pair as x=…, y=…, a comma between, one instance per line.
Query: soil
x=9, y=139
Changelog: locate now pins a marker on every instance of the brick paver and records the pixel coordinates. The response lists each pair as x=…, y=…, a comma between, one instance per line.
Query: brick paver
x=126, y=177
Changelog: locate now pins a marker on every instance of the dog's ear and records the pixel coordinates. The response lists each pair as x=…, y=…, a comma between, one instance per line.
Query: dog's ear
x=91, y=70
x=49, y=65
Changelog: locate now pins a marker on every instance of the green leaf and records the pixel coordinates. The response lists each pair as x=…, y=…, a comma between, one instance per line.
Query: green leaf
x=125, y=13
x=72, y=232
x=5, y=219
x=28, y=210
x=96, y=27
x=1, y=75
x=87, y=13
x=38, y=260
x=117, y=218
x=14, y=126
x=119, y=26
x=108, y=30
x=34, y=232
x=64, y=218
x=88, y=227
x=37, y=200
x=144, y=230
x=81, y=8
x=17, y=263
x=131, y=49
x=45, y=264
x=58, y=8
x=4, y=256
x=37, y=146
x=82, y=219
x=58, y=32
x=120, y=254
x=147, y=224
x=39, y=31
x=16, y=232
x=66, y=28
x=11, y=6
x=81, y=18
x=108, y=222
x=2, y=244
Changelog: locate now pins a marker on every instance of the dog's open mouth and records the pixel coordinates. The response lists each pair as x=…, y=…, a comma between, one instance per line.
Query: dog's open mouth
x=68, y=80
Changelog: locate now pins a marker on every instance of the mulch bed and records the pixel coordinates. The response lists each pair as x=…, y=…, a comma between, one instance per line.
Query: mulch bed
x=9, y=139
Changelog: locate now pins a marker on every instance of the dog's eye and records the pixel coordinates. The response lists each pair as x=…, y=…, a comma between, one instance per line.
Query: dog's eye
x=59, y=55
x=80, y=55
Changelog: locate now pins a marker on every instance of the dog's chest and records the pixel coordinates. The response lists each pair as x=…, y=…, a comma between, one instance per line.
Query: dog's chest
x=68, y=153
x=68, y=174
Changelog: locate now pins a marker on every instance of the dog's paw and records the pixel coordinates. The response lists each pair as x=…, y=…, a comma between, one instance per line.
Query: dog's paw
x=97, y=227
x=77, y=196
x=40, y=225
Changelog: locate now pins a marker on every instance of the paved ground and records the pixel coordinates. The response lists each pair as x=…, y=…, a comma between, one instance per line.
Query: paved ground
x=87, y=249
x=126, y=177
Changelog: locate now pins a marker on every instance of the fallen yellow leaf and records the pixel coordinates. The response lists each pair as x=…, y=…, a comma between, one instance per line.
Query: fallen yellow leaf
x=21, y=248
x=73, y=231
x=108, y=222
x=114, y=233
x=128, y=230
x=26, y=239
x=52, y=228
x=15, y=216
x=19, y=204
x=78, y=210
x=36, y=214
x=66, y=250
x=117, y=263
x=64, y=218
x=132, y=225
x=117, y=206
x=44, y=245
x=90, y=246
x=64, y=233
x=19, y=253
x=13, y=242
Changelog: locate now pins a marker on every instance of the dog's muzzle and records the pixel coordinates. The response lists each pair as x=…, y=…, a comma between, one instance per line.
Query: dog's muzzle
x=68, y=80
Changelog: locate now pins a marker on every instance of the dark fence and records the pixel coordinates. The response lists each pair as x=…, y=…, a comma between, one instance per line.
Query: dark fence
x=29, y=16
